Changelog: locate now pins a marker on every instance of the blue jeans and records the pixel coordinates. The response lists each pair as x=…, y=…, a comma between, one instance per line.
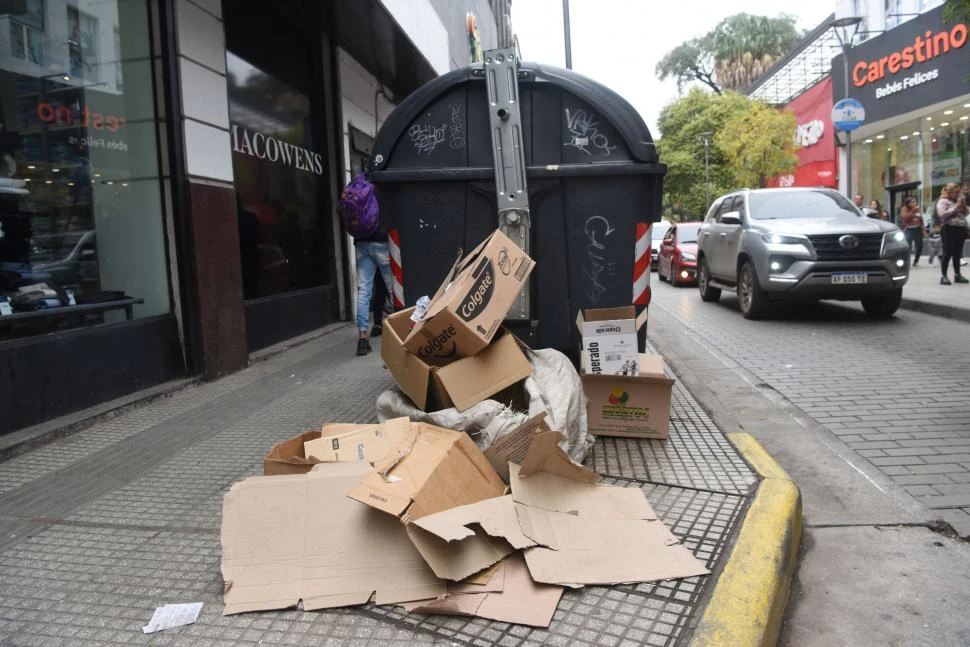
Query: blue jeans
x=370, y=256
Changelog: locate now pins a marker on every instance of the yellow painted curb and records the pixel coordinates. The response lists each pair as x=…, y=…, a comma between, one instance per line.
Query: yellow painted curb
x=750, y=596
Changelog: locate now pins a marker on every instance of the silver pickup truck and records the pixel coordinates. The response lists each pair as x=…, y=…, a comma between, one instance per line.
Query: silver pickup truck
x=799, y=244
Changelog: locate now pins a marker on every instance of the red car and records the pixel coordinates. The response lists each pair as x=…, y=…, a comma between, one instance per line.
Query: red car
x=677, y=261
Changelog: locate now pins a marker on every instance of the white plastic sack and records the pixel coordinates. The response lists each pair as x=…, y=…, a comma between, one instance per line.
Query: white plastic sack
x=554, y=388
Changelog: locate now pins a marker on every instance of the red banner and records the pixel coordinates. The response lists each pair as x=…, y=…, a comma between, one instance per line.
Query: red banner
x=815, y=137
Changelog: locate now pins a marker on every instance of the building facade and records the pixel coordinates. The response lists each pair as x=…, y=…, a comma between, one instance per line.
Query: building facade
x=169, y=171
x=914, y=83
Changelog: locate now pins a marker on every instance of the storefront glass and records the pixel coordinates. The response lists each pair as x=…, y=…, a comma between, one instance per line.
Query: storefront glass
x=933, y=150
x=278, y=175
x=80, y=201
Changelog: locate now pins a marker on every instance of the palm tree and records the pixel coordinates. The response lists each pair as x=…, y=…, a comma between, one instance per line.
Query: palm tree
x=745, y=46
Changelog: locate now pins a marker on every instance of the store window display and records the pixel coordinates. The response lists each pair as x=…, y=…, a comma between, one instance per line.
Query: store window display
x=81, y=223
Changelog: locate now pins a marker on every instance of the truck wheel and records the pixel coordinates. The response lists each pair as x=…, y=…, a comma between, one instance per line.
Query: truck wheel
x=752, y=299
x=884, y=306
x=708, y=293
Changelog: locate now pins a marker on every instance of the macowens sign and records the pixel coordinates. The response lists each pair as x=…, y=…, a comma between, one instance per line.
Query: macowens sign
x=919, y=63
x=267, y=147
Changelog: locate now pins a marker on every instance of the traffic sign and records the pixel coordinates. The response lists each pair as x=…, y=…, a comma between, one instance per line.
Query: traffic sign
x=848, y=114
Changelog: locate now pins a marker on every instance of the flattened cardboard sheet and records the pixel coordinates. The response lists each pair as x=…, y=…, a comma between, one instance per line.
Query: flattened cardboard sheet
x=594, y=533
x=298, y=537
x=436, y=469
x=462, y=541
x=522, y=601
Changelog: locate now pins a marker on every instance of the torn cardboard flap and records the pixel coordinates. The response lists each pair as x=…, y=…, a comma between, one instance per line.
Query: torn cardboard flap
x=360, y=443
x=464, y=540
x=591, y=533
x=287, y=538
x=533, y=446
x=439, y=469
x=522, y=600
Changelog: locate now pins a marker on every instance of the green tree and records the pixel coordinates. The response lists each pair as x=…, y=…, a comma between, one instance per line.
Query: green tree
x=689, y=62
x=728, y=116
x=759, y=141
x=732, y=55
x=956, y=10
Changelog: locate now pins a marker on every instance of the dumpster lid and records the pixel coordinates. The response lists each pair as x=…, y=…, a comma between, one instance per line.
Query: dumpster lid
x=623, y=116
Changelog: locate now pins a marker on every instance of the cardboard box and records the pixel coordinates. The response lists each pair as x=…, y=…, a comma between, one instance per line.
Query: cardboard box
x=290, y=456
x=357, y=443
x=298, y=537
x=635, y=407
x=461, y=384
x=471, y=303
x=436, y=469
x=610, y=339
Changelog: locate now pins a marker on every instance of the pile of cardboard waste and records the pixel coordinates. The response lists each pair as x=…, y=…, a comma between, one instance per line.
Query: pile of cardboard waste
x=415, y=515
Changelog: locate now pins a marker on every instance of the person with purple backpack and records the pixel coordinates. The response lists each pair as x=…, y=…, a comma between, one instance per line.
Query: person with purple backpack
x=360, y=217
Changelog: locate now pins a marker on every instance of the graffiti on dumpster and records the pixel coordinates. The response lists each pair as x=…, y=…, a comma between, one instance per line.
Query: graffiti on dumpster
x=595, y=261
x=584, y=134
x=456, y=140
x=428, y=136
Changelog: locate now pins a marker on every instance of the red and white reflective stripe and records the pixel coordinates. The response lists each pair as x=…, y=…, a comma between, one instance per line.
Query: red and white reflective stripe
x=398, y=290
x=641, y=265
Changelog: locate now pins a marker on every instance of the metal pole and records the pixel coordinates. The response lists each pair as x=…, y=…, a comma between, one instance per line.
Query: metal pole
x=565, y=29
x=848, y=133
x=707, y=174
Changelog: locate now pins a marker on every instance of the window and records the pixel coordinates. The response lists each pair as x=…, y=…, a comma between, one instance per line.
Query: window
x=80, y=205
x=823, y=203
x=27, y=33
x=726, y=206
x=119, y=73
x=82, y=44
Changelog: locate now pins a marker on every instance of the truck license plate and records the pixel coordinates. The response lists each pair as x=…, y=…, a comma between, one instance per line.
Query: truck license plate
x=852, y=278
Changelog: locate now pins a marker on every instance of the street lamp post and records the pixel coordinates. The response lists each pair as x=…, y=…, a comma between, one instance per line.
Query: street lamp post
x=707, y=174
x=566, y=34
x=845, y=31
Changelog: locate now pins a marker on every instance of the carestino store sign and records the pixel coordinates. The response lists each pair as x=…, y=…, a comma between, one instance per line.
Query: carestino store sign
x=815, y=138
x=917, y=64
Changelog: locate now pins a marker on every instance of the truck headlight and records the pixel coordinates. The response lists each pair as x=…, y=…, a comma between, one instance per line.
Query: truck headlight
x=782, y=239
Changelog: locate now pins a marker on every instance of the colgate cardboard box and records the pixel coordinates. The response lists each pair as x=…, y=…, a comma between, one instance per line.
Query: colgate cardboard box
x=471, y=303
x=461, y=384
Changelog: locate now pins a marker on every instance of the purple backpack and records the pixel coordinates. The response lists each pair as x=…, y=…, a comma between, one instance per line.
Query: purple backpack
x=358, y=208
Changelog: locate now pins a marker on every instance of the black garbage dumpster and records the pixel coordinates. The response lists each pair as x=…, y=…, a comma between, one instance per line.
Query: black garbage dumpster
x=594, y=186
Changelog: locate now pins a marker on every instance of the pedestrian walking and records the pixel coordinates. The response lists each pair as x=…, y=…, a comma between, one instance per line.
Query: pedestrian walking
x=360, y=217
x=952, y=210
x=912, y=223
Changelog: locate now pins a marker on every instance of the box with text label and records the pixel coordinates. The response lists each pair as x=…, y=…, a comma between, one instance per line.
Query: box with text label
x=461, y=384
x=610, y=339
x=471, y=303
x=636, y=406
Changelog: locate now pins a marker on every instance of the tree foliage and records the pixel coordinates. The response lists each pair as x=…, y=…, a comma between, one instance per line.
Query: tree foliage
x=732, y=55
x=748, y=142
x=956, y=10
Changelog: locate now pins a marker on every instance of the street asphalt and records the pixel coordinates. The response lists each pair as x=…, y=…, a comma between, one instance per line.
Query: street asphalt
x=104, y=518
